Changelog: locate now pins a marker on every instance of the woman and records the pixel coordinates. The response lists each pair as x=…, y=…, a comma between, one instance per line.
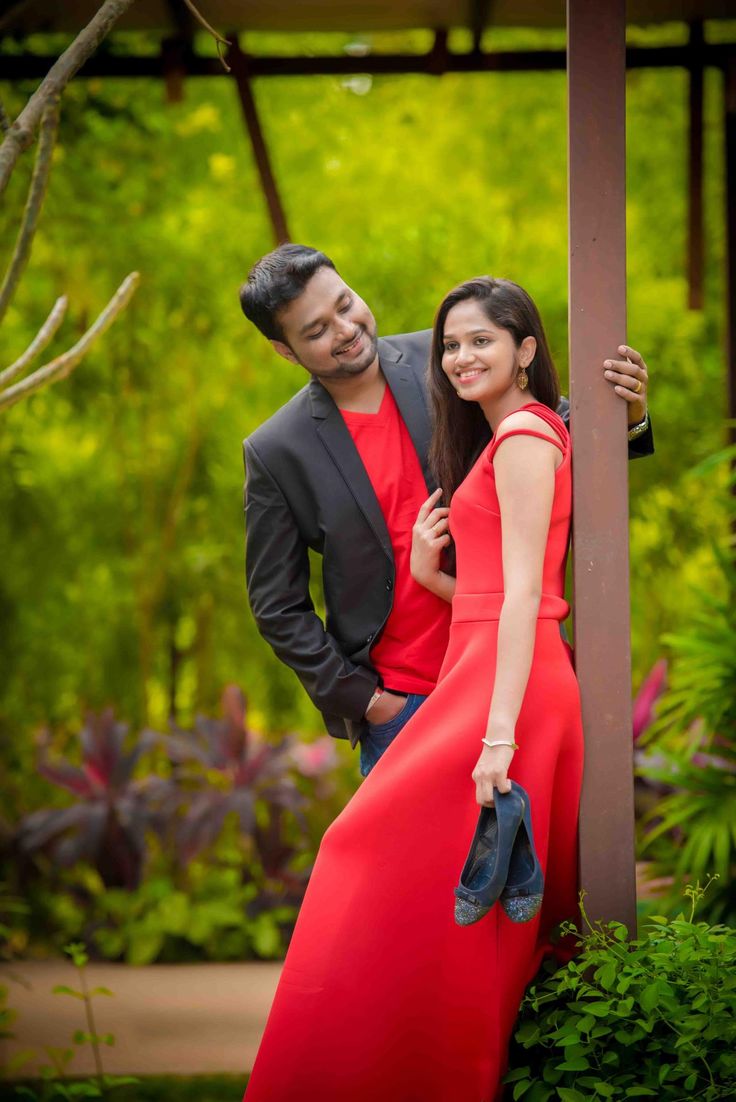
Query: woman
x=383, y=997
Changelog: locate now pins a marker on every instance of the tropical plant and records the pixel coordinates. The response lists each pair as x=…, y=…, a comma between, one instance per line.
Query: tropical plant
x=224, y=768
x=690, y=748
x=652, y=1017
x=107, y=825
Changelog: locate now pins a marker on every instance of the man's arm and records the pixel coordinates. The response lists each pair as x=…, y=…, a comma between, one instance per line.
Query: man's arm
x=277, y=576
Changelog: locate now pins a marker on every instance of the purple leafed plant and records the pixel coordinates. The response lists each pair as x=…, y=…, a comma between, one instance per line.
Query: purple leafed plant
x=107, y=825
x=227, y=769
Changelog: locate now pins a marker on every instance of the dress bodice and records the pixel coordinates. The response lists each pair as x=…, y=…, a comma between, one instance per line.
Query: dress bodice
x=475, y=519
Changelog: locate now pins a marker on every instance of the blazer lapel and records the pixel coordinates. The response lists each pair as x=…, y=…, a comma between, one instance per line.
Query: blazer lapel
x=336, y=438
x=412, y=403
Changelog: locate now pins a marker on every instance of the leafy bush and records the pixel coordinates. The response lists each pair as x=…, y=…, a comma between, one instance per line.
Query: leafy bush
x=690, y=832
x=207, y=858
x=653, y=1017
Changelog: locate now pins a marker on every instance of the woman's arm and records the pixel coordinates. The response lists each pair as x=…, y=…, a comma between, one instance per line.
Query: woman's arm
x=430, y=536
x=524, y=468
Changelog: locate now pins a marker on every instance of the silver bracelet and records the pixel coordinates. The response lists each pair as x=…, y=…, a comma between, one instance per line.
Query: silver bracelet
x=501, y=742
x=639, y=429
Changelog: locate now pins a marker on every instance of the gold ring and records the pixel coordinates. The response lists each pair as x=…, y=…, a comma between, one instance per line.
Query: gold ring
x=637, y=388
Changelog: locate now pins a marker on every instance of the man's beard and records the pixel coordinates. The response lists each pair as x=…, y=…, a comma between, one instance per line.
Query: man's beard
x=352, y=370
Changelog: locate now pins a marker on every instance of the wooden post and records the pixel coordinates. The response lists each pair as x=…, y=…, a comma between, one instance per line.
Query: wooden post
x=695, y=172
x=597, y=314
x=239, y=65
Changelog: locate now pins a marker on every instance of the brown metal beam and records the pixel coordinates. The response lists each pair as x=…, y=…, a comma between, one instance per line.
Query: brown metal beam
x=730, y=143
x=695, y=172
x=35, y=66
x=240, y=66
x=597, y=314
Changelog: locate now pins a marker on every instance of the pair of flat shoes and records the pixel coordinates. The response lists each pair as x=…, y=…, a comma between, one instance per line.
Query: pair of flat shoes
x=502, y=864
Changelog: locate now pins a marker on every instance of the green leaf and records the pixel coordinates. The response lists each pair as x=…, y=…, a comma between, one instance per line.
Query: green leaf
x=569, y=1094
x=649, y=996
x=515, y=1074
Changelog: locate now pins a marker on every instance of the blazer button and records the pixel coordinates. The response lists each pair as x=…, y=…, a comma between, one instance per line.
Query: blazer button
x=369, y=639
x=389, y=584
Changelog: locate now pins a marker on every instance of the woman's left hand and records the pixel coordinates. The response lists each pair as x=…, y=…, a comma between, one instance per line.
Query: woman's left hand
x=491, y=771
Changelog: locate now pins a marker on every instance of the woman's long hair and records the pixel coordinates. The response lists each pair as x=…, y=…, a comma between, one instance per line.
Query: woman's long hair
x=460, y=429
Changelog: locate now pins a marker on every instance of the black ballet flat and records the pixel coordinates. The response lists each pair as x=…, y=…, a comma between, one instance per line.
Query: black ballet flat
x=486, y=869
x=521, y=899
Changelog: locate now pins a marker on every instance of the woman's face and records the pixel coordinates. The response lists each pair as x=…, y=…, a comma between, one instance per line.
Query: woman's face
x=480, y=359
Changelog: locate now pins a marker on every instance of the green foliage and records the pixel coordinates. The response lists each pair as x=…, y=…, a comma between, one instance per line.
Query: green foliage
x=208, y=916
x=691, y=747
x=651, y=1017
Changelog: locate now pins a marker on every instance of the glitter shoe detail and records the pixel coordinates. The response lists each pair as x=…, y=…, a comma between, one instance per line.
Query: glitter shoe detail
x=522, y=908
x=466, y=913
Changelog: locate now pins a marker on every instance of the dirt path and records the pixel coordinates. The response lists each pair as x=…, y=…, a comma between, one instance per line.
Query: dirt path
x=167, y=1018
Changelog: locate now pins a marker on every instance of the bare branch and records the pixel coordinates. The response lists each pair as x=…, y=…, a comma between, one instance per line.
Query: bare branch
x=22, y=132
x=4, y=120
x=215, y=34
x=63, y=365
x=39, y=342
x=36, y=196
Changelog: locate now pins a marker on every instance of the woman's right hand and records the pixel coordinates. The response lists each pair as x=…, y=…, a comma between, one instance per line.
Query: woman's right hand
x=491, y=771
x=430, y=536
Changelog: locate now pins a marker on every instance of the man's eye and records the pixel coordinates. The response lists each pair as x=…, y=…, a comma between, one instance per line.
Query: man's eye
x=317, y=335
x=344, y=309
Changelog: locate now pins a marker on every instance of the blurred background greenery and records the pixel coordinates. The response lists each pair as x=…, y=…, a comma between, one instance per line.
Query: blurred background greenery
x=121, y=535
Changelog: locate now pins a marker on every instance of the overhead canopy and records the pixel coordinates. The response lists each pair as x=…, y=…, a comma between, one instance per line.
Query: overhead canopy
x=167, y=16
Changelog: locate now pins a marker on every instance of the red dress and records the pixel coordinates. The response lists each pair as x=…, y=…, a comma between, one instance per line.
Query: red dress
x=382, y=997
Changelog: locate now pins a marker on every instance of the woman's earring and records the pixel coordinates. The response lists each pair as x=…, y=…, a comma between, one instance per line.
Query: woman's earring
x=522, y=379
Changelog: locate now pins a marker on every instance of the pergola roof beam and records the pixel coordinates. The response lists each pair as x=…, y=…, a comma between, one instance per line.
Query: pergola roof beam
x=35, y=66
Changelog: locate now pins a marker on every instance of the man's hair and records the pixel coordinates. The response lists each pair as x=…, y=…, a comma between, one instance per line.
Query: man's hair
x=275, y=281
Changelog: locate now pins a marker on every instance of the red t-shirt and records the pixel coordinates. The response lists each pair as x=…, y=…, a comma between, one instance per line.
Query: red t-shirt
x=409, y=653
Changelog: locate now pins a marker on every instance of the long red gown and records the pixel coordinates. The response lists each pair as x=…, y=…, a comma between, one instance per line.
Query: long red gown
x=382, y=997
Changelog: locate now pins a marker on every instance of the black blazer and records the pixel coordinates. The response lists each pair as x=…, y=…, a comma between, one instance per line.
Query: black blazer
x=307, y=488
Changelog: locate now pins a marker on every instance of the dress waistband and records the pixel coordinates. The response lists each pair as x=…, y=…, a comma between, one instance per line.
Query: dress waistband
x=467, y=607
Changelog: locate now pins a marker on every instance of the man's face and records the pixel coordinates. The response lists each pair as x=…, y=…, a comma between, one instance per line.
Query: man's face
x=328, y=329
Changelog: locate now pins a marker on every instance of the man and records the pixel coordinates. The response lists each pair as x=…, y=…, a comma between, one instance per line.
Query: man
x=342, y=469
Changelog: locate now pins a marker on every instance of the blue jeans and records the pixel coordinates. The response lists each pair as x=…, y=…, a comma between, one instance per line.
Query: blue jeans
x=379, y=736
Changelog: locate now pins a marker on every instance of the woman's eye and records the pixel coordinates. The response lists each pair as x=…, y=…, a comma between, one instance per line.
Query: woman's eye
x=482, y=341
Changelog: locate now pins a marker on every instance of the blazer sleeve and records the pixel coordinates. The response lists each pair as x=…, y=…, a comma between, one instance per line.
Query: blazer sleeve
x=277, y=577
x=642, y=446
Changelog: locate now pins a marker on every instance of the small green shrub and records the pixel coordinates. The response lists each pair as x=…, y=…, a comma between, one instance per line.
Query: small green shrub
x=648, y=1018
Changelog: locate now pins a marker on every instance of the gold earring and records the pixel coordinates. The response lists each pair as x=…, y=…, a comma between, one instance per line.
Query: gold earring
x=522, y=379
